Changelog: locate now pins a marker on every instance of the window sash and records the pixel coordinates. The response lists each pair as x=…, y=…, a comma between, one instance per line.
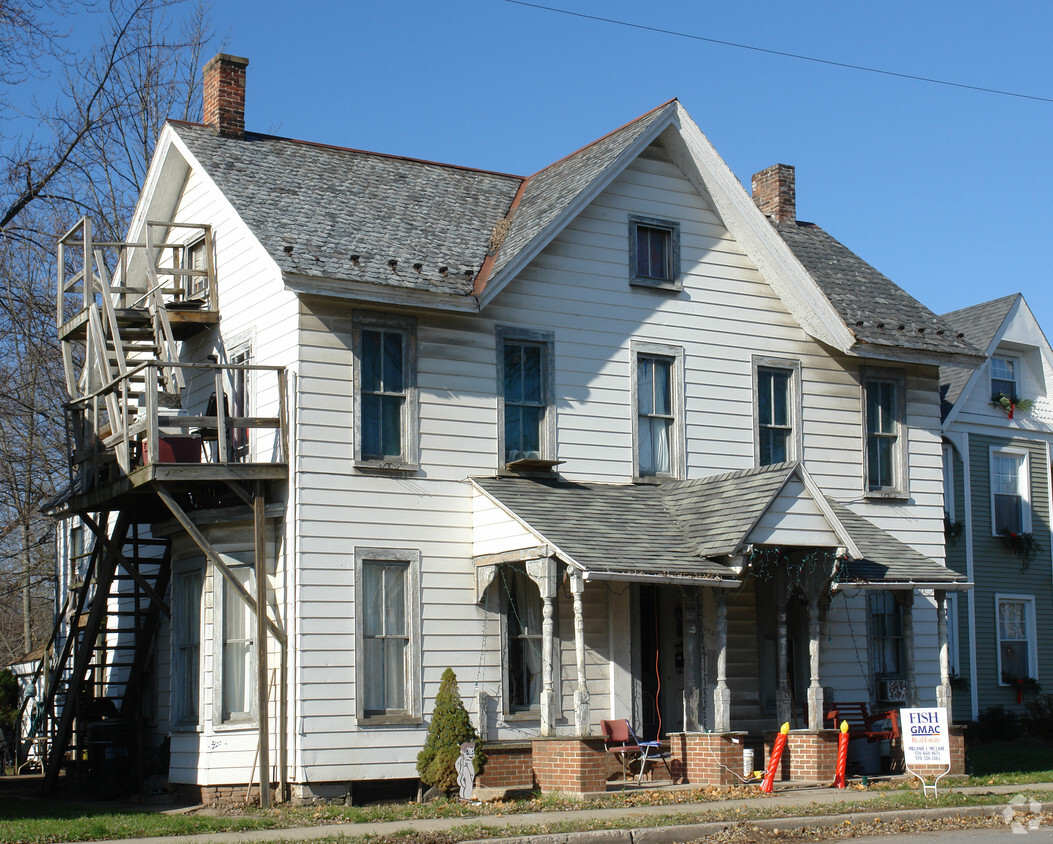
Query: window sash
x=525, y=402
x=239, y=648
x=383, y=393
x=882, y=426
x=1007, y=492
x=1003, y=377
x=655, y=414
x=653, y=252
x=1014, y=639
x=386, y=639
x=886, y=636
x=774, y=414
x=188, y=646
x=523, y=629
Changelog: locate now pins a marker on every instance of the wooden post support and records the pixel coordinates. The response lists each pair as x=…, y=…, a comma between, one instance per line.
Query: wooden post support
x=783, y=705
x=692, y=674
x=722, y=694
x=815, y=689
x=582, y=716
x=943, y=690
x=261, y=644
x=906, y=601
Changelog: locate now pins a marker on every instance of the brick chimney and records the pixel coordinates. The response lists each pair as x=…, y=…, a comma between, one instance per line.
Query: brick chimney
x=224, y=95
x=775, y=193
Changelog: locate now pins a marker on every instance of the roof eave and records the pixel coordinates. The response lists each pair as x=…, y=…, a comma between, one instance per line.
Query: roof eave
x=362, y=291
x=905, y=354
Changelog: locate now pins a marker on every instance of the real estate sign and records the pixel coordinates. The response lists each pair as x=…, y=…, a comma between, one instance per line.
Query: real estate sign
x=925, y=740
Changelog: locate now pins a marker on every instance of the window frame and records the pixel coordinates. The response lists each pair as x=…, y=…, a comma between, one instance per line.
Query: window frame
x=221, y=719
x=947, y=456
x=533, y=711
x=795, y=448
x=1014, y=365
x=411, y=559
x=546, y=341
x=1023, y=478
x=241, y=354
x=1031, y=633
x=674, y=280
x=408, y=460
x=878, y=677
x=194, y=286
x=677, y=437
x=180, y=720
x=900, y=486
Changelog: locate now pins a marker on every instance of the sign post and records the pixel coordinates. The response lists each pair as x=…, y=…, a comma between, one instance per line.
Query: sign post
x=926, y=743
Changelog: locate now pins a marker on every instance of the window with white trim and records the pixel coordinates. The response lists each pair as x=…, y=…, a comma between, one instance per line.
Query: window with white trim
x=385, y=392
x=186, y=645
x=951, y=604
x=1010, y=499
x=884, y=412
x=525, y=374
x=237, y=647
x=654, y=253
x=522, y=610
x=387, y=635
x=948, y=480
x=777, y=422
x=1015, y=623
x=1003, y=377
x=658, y=427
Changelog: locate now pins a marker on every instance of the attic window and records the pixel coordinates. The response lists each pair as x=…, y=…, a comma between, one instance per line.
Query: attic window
x=1003, y=377
x=654, y=253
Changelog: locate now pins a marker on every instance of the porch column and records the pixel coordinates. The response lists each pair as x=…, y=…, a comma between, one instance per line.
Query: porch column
x=691, y=666
x=543, y=572
x=943, y=690
x=815, y=690
x=906, y=599
x=722, y=694
x=582, y=716
x=782, y=688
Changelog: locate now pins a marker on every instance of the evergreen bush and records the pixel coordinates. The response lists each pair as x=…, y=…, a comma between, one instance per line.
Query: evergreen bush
x=450, y=726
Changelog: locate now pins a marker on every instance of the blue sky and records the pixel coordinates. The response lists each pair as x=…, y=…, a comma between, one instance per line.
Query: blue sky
x=947, y=191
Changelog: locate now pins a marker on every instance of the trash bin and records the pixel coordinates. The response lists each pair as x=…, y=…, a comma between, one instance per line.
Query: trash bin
x=110, y=757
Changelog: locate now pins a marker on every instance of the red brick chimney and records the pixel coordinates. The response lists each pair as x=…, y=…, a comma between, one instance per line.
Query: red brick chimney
x=224, y=93
x=775, y=193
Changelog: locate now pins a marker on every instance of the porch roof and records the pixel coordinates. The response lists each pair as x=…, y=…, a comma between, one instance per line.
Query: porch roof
x=681, y=529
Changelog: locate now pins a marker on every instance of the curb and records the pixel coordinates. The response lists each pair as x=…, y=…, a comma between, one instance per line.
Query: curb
x=689, y=832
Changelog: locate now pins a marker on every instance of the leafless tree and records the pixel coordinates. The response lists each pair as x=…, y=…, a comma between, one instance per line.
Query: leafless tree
x=85, y=153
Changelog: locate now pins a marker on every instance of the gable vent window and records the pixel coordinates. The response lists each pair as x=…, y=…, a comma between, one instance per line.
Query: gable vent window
x=654, y=253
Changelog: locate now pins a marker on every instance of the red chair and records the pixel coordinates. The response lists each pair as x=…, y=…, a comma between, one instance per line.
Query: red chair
x=618, y=739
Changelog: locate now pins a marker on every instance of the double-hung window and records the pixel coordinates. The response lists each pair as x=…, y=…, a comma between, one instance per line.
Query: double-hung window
x=887, y=646
x=385, y=392
x=525, y=377
x=521, y=605
x=654, y=253
x=241, y=404
x=777, y=387
x=237, y=648
x=884, y=399
x=387, y=633
x=186, y=645
x=658, y=410
x=195, y=258
x=1010, y=502
x=1003, y=377
x=1015, y=619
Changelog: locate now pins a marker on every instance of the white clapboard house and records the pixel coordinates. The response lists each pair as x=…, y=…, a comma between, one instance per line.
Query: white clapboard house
x=614, y=440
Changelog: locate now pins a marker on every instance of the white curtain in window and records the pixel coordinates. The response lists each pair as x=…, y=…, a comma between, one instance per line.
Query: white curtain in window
x=237, y=647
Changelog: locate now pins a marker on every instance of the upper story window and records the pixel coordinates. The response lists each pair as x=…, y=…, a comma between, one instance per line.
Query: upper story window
x=884, y=398
x=948, y=481
x=1016, y=638
x=658, y=425
x=387, y=635
x=1003, y=377
x=525, y=375
x=778, y=424
x=385, y=392
x=241, y=403
x=1010, y=501
x=194, y=259
x=654, y=253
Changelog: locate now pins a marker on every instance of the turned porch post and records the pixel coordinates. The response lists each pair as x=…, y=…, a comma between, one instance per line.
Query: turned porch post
x=943, y=690
x=692, y=679
x=782, y=689
x=543, y=573
x=722, y=694
x=582, y=715
x=815, y=690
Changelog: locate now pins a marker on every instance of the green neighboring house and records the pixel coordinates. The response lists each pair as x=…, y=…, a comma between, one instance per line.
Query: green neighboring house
x=997, y=430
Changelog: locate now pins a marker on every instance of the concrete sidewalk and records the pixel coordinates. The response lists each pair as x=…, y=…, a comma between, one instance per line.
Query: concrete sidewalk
x=644, y=819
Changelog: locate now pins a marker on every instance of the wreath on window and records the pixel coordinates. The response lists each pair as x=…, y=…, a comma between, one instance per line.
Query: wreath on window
x=1024, y=545
x=1011, y=403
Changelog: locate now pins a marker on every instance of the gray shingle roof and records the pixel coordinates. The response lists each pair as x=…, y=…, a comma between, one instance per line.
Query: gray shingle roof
x=873, y=307
x=327, y=204
x=549, y=192
x=673, y=529
x=979, y=323
x=884, y=558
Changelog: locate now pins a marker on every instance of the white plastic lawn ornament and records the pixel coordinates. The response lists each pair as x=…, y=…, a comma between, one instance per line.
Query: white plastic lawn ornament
x=466, y=770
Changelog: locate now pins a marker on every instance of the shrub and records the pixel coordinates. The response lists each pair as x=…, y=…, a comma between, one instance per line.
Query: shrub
x=1040, y=717
x=450, y=726
x=996, y=723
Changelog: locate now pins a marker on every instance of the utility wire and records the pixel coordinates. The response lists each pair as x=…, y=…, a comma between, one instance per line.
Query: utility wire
x=798, y=56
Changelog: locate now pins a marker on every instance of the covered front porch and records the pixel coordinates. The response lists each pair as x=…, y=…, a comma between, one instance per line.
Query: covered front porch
x=707, y=613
